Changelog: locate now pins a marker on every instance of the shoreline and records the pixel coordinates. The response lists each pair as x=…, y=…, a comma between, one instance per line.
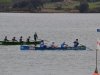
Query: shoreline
x=41, y=11
x=45, y=11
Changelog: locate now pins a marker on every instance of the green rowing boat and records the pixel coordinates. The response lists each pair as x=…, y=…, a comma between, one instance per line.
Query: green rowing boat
x=20, y=43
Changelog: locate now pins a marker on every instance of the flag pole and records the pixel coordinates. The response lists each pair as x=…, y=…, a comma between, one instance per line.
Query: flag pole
x=96, y=62
x=96, y=71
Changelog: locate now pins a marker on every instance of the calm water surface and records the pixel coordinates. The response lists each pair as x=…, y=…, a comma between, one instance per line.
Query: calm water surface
x=52, y=27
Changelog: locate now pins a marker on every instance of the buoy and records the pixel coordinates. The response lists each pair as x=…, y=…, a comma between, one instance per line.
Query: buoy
x=96, y=72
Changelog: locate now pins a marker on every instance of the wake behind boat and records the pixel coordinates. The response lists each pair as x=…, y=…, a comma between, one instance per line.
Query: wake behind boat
x=49, y=48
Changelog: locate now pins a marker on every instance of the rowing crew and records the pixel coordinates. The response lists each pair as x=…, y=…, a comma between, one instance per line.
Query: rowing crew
x=63, y=45
x=20, y=40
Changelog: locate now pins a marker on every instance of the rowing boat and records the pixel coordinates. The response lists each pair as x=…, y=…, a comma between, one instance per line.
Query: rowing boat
x=98, y=30
x=49, y=48
x=19, y=43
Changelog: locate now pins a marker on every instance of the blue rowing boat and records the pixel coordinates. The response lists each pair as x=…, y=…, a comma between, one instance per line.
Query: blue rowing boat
x=98, y=30
x=49, y=48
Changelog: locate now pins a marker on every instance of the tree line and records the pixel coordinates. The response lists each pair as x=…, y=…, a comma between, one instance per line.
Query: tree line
x=38, y=4
x=88, y=0
x=33, y=3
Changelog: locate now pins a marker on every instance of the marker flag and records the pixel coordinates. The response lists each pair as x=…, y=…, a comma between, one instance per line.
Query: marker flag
x=98, y=44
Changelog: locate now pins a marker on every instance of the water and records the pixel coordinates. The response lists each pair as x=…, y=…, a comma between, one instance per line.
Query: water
x=52, y=27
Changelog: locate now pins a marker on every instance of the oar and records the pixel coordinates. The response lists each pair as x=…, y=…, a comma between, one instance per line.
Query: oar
x=87, y=47
x=32, y=40
x=44, y=40
x=47, y=41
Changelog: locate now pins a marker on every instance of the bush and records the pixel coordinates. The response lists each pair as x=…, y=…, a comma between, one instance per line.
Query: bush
x=83, y=7
x=56, y=0
x=76, y=7
x=21, y=4
x=15, y=5
x=58, y=8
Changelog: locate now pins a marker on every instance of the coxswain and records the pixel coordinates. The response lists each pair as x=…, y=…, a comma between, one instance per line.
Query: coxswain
x=28, y=39
x=35, y=36
x=6, y=40
x=14, y=39
x=42, y=45
x=76, y=43
x=64, y=45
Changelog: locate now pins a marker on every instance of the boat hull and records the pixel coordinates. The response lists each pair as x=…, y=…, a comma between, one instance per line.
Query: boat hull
x=20, y=43
x=59, y=48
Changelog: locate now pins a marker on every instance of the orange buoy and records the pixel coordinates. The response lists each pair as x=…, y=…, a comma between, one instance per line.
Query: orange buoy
x=96, y=72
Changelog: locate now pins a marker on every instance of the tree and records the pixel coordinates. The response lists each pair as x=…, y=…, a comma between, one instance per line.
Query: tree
x=15, y=5
x=83, y=7
x=56, y=0
x=46, y=1
x=36, y=3
x=21, y=4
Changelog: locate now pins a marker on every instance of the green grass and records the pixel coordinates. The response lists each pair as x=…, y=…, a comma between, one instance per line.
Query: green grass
x=53, y=6
x=50, y=6
x=92, y=5
x=5, y=1
x=71, y=6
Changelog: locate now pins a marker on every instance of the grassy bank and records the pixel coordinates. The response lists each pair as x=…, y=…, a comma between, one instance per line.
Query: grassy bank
x=5, y=1
x=68, y=6
x=92, y=5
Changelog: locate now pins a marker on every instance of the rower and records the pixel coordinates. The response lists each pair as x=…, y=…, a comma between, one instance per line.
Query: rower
x=53, y=45
x=76, y=43
x=6, y=40
x=35, y=36
x=14, y=39
x=20, y=40
x=28, y=39
x=42, y=45
x=64, y=45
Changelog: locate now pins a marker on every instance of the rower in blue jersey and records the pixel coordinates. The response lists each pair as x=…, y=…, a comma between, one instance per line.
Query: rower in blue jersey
x=76, y=43
x=6, y=40
x=42, y=45
x=64, y=45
